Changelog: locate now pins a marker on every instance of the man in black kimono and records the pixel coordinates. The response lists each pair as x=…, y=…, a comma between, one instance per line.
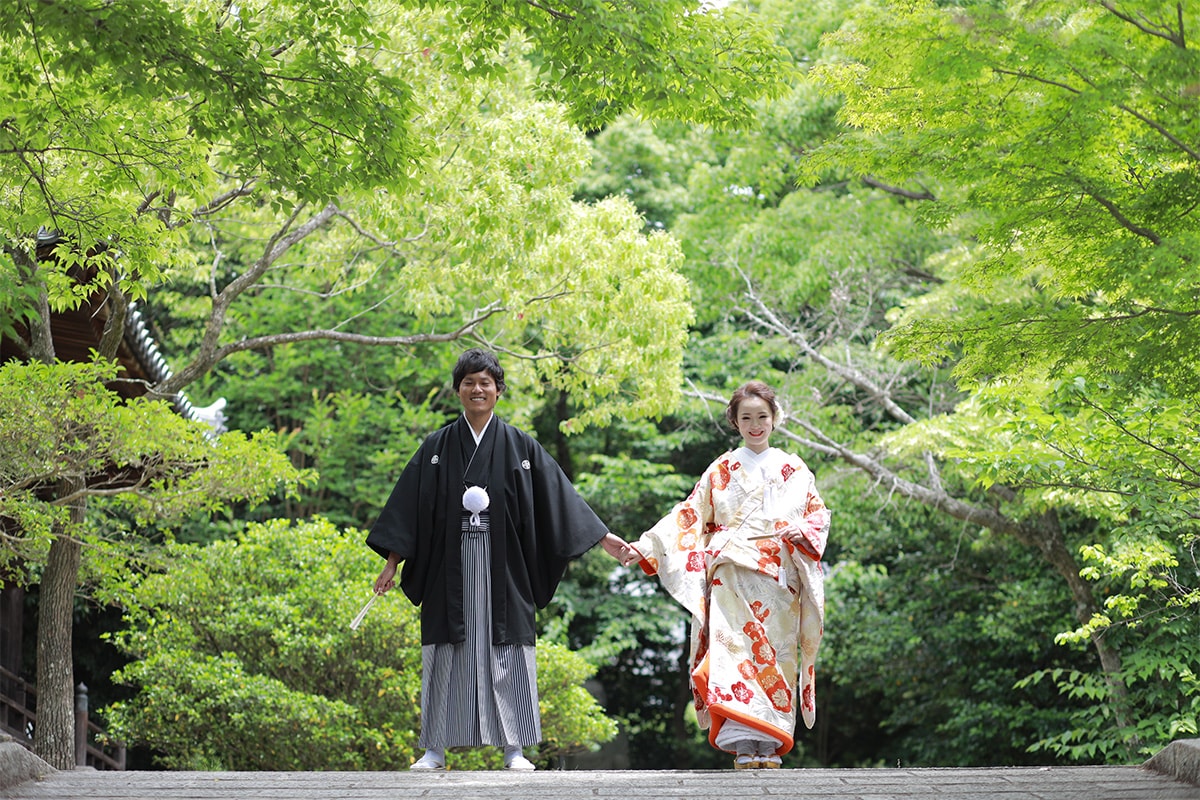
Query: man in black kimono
x=485, y=522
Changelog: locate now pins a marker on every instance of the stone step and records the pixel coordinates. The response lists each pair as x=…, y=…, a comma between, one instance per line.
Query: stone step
x=1156, y=780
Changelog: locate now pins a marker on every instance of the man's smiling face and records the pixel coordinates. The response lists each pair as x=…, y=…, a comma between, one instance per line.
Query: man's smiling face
x=478, y=393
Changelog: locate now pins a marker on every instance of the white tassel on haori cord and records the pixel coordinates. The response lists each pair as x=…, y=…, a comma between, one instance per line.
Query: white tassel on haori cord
x=475, y=500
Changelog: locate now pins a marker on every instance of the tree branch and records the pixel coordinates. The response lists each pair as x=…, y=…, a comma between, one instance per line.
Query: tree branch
x=1019, y=73
x=1121, y=219
x=1160, y=31
x=387, y=245
x=210, y=352
x=559, y=15
x=1175, y=140
x=896, y=190
x=766, y=318
x=261, y=342
x=219, y=202
x=114, y=326
x=1177, y=459
x=1181, y=144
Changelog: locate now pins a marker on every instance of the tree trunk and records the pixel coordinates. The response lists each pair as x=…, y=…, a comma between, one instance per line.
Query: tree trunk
x=54, y=733
x=41, y=341
x=1047, y=538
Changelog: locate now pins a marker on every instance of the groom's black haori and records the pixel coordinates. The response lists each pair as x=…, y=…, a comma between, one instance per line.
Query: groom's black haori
x=538, y=523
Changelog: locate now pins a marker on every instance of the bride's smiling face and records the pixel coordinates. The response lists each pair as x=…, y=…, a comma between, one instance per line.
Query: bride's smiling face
x=755, y=421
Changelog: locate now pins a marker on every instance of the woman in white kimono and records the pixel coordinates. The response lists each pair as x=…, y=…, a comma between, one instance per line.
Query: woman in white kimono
x=742, y=553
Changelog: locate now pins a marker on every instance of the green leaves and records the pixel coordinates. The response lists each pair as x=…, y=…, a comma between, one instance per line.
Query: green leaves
x=1059, y=137
x=980, y=291
x=207, y=713
x=665, y=58
x=138, y=458
x=1159, y=678
x=929, y=625
x=628, y=308
x=127, y=121
x=243, y=659
x=573, y=720
x=1067, y=134
x=197, y=125
x=115, y=139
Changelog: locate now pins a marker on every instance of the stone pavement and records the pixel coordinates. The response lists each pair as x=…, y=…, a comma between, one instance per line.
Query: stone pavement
x=1158, y=779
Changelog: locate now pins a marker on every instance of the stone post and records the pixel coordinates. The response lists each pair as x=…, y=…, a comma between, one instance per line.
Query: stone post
x=81, y=725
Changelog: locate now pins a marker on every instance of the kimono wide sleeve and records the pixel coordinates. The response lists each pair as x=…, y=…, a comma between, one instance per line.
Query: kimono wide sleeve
x=412, y=520
x=674, y=549
x=556, y=525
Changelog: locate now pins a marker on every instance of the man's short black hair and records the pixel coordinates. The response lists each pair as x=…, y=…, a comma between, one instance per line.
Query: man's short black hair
x=477, y=360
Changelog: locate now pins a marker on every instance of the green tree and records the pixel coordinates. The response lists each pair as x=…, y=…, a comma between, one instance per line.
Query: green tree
x=66, y=440
x=243, y=659
x=903, y=282
x=925, y=643
x=1057, y=139
x=271, y=122
x=1064, y=145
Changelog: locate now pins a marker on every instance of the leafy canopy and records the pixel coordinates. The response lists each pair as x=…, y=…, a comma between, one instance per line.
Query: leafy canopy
x=1057, y=141
x=1069, y=133
x=137, y=458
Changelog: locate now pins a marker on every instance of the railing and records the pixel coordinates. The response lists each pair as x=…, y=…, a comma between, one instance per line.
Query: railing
x=18, y=716
x=16, y=700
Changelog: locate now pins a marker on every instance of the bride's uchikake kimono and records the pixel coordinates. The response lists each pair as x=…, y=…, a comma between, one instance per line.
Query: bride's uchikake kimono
x=757, y=602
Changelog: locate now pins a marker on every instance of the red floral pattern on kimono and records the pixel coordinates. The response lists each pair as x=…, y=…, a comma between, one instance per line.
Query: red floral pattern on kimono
x=757, y=602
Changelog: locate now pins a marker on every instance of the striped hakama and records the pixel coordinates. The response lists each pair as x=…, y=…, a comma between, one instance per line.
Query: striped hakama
x=477, y=693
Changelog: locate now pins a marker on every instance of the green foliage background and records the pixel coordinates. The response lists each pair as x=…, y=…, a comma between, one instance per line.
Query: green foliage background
x=959, y=239
x=244, y=660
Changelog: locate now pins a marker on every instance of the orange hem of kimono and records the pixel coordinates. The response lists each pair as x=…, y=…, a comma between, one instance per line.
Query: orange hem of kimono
x=644, y=563
x=719, y=713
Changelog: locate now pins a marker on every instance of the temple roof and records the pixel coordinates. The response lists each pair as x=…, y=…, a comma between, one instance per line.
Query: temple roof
x=76, y=333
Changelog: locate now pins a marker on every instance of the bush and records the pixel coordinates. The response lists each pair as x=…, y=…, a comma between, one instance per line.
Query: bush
x=243, y=659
